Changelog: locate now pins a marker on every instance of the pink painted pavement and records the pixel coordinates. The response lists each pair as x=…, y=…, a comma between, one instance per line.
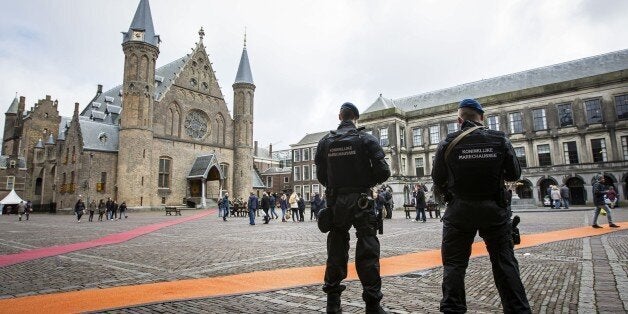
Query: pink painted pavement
x=28, y=255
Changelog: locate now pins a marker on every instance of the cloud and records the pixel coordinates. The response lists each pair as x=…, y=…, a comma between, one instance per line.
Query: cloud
x=307, y=57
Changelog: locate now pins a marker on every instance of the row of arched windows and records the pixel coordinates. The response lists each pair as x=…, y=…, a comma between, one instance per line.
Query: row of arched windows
x=172, y=126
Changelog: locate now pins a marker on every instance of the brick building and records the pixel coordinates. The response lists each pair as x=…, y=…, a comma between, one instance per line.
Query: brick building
x=163, y=136
x=303, y=167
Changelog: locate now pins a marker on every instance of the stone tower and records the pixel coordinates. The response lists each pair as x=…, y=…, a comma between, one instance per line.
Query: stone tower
x=135, y=180
x=243, y=91
x=10, y=118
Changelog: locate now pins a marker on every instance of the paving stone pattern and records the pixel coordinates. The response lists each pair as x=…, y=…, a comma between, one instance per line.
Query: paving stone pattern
x=209, y=247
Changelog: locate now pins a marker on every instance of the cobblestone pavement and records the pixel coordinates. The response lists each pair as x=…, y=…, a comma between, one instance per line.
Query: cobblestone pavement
x=568, y=276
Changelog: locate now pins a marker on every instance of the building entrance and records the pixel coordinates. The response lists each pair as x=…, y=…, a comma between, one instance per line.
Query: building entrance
x=576, y=190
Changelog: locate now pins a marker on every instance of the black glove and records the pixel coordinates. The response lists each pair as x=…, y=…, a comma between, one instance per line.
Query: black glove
x=516, y=236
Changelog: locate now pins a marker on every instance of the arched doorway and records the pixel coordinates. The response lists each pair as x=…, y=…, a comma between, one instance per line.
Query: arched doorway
x=544, y=185
x=524, y=189
x=576, y=190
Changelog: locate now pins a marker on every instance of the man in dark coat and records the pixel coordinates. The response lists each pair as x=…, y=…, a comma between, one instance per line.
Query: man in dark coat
x=252, y=206
x=471, y=175
x=349, y=162
x=599, y=190
x=419, y=203
x=265, y=204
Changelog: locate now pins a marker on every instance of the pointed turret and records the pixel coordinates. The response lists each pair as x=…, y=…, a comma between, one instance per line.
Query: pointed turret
x=244, y=70
x=40, y=144
x=13, y=106
x=142, y=29
x=51, y=140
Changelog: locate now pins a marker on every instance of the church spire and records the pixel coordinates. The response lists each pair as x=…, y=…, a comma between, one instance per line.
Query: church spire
x=142, y=28
x=244, y=70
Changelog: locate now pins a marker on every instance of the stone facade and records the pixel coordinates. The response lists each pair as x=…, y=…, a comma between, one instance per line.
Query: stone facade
x=138, y=141
x=582, y=119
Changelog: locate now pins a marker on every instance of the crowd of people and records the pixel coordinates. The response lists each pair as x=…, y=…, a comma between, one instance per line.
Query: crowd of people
x=110, y=209
x=292, y=206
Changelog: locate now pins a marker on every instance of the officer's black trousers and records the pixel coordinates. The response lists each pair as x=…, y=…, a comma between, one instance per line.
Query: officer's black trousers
x=345, y=215
x=456, y=249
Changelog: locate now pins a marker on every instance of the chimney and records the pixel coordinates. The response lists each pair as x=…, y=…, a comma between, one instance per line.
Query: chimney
x=255, y=148
x=21, y=105
x=270, y=150
x=76, y=110
x=99, y=91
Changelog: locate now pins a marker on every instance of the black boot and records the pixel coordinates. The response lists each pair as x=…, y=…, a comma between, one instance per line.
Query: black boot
x=374, y=308
x=333, y=303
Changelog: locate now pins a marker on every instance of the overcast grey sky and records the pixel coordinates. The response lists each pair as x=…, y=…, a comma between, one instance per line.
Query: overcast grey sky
x=307, y=57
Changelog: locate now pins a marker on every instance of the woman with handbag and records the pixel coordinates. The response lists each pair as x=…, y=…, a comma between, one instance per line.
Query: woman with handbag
x=79, y=209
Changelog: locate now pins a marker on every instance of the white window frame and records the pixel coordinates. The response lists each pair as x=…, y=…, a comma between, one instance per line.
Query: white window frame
x=624, y=146
x=306, y=169
x=403, y=166
x=454, y=126
x=419, y=161
x=603, y=147
x=383, y=137
x=307, y=193
x=542, y=118
x=305, y=152
x=402, y=137
x=269, y=181
x=297, y=173
x=296, y=155
x=434, y=131
x=511, y=122
x=314, y=172
x=10, y=182
x=298, y=189
x=493, y=122
x=417, y=137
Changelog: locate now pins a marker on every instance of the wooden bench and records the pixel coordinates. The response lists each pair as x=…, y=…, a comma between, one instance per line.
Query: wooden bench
x=175, y=209
x=433, y=207
x=408, y=209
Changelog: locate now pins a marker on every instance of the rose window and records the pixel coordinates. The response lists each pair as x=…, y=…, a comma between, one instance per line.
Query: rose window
x=196, y=124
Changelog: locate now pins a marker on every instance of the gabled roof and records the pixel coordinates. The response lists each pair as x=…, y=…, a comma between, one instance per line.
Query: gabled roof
x=13, y=106
x=380, y=104
x=142, y=21
x=202, y=165
x=107, y=106
x=566, y=71
x=244, y=74
x=257, y=181
x=311, y=138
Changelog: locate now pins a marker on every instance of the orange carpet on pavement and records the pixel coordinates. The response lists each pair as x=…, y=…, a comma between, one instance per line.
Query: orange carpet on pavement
x=126, y=296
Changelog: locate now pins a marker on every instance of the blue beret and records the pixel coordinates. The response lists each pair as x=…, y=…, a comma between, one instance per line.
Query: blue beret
x=352, y=107
x=473, y=104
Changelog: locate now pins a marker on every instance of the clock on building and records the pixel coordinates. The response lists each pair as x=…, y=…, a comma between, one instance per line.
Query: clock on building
x=196, y=124
x=138, y=35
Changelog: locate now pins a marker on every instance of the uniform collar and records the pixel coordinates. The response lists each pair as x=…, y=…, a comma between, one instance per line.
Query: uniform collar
x=346, y=124
x=469, y=124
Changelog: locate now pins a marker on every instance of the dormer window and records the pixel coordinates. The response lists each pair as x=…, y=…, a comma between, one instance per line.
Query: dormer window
x=205, y=85
x=193, y=82
x=12, y=164
x=102, y=137
x=138, y=35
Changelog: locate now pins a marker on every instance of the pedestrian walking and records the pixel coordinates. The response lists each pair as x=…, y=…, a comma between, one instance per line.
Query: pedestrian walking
x=273, y=204
x=470, y=168
x=611, y=195
x=565, y=196
x=555, y=194
x=283, y=204
x=122, y=210
x=419, y=203
x=265, y=204
x=21, y=210
x=315, y=206
x=102, y=208
x=92, y=208
x=294, y=206
x=224, y=206
x=252, y=206
x=349, y=162
x=301, y=205
x=599, y=191
x=109, y=205
x=79, y=209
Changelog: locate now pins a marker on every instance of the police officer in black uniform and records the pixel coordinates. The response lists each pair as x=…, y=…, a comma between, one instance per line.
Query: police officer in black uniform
x=349, y=162
x=471, y=178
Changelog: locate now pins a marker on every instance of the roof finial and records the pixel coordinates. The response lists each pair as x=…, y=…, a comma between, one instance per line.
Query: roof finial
x=244, y=37
x=201, y=33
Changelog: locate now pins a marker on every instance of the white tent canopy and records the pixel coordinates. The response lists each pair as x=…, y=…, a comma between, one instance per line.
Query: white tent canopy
x=11, y=198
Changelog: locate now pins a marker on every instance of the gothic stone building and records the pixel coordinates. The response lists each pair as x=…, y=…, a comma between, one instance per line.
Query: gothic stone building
x=567, y=123
x=163, y=136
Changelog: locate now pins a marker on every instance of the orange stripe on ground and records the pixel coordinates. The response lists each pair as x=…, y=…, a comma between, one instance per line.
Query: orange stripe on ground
x=126, y=296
